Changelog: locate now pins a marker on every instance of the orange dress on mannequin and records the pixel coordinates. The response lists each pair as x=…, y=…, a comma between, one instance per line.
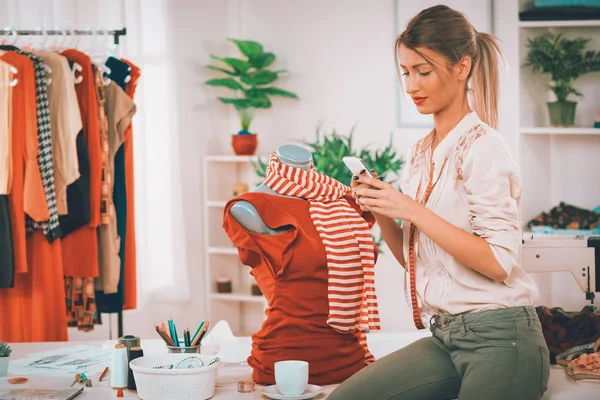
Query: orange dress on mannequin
x=291, y=270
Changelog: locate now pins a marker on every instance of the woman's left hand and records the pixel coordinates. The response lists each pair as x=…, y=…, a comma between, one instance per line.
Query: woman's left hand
x=385, y=199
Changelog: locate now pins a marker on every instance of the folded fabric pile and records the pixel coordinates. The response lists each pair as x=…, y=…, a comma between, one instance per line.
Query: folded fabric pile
x=566, y=216
x=549, y=10
x=564, y=331
x=587, y=366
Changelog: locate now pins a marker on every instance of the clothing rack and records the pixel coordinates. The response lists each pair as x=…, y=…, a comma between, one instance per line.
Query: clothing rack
x=77, y=32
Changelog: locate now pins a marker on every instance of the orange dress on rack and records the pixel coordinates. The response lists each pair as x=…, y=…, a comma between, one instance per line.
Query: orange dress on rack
x=291, y=270
x=80, y=248
x=34, y=309
x=130, y=283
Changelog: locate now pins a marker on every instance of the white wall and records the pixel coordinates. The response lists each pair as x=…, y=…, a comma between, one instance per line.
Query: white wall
x=340, y=57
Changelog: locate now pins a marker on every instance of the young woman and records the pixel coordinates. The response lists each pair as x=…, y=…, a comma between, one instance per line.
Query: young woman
x=460, y=239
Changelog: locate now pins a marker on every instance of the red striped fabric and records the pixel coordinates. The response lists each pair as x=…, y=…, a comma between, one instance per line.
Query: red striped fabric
x=349, y=247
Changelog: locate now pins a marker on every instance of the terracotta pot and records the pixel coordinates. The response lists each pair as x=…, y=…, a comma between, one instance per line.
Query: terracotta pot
x=244, y=145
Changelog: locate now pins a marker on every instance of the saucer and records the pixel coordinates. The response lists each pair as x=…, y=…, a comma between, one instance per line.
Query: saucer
x=310, y=392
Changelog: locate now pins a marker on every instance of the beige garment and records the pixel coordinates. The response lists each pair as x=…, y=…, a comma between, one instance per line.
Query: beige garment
x=5, y=128
x=119, y=109
x=65, y=123
x=479, y=191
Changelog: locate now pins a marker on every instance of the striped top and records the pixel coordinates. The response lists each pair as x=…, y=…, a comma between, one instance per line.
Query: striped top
x=348, y=245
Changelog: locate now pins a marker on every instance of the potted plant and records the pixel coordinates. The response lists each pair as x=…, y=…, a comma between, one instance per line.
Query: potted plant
x=565, y=60
x=5, y=351
x=250, y=80
x=328, y=150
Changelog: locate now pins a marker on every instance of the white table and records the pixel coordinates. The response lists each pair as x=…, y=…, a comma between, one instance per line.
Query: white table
x=102, y=390
x=560, y=387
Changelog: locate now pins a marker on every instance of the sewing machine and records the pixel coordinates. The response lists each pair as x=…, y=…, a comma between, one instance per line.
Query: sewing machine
x=579, y=255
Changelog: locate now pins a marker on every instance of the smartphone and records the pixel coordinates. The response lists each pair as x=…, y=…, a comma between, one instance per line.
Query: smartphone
x=355, y=165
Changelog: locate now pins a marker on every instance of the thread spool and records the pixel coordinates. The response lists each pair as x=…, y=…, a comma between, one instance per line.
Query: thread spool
x=246, y=387
x=135, y=352
x=118, y=373
x=129, y=341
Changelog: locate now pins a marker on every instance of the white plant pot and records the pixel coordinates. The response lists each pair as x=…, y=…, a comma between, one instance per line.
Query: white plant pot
x=4, y=366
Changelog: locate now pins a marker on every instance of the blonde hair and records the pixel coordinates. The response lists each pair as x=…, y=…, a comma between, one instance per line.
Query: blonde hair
x=449, y=32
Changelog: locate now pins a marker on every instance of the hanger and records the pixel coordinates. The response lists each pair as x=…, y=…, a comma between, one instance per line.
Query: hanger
x=99, y=57
x=47, y=68
x=74, y=40
x=13, y=33
x=14, y=82
x=77, y=68
x=57, y=46
x=63, y=46
x=41, y=32
x=28, y=43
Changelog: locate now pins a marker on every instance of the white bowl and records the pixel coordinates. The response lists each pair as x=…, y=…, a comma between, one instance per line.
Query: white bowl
x=180, y=384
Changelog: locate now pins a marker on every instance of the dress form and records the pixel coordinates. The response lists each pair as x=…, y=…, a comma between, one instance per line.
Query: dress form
x=247, y=215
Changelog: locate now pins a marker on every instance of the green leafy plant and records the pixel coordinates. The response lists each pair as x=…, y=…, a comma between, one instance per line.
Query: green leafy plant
x=564, y=59
x=249, y=78
x=5, y=349
x=328, y=150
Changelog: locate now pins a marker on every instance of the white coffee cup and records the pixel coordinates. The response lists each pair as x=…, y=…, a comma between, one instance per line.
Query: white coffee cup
x=291, y=377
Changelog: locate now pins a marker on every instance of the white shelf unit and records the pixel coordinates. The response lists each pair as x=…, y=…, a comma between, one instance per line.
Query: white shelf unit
x=560, y=24
x=216, y=204
x=557, y=164
x=559, y=131
x=243, y=311
x=237, y=297
x=223, y=250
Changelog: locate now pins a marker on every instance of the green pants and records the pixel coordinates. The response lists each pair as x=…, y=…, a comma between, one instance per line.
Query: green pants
x=496, y=354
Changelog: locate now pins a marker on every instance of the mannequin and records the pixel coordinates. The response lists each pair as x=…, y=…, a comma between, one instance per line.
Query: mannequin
x=283, y=232
x=247, y=215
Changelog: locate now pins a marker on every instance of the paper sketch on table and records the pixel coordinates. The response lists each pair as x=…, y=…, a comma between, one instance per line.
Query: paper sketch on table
x=69, y=359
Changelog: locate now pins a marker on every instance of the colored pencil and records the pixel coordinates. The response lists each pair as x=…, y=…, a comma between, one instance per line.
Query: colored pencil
x=197, y=337
x=163, y=328
x=174, y=333
x=103, y=375
x=164, y=336
x=186, y=337
x=201, y=334
x=198, y=330
x=197, y=334
x=170, y=337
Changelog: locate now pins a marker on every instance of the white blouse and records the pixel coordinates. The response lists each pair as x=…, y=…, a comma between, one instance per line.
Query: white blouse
x=478, y=189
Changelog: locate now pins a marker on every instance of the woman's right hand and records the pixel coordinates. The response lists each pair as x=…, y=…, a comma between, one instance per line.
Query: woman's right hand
x=356, y=185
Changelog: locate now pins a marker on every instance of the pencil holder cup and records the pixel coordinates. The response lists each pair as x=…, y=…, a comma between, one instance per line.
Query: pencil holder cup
x=184, y=349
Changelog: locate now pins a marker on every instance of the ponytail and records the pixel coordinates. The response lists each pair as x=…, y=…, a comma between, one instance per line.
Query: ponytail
x=485, y=79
